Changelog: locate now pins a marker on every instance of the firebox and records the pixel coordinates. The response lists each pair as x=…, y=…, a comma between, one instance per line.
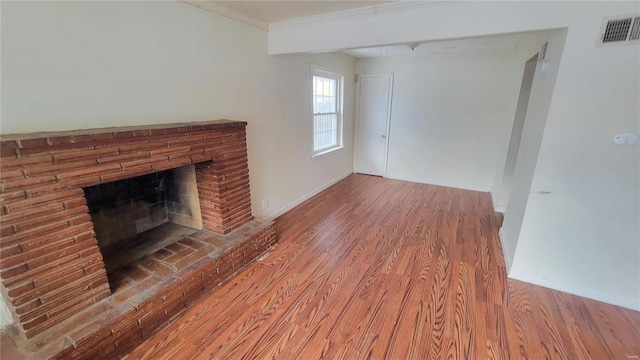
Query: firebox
x=137, y=216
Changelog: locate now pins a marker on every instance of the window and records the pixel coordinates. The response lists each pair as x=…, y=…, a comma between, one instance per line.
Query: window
x=327, y=111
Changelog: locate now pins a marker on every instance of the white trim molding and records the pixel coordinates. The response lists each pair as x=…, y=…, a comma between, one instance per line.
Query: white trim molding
x=227, y=12
x=429, y=182
x=306, y=196
x=508, y=259
x=598, y=295
x=363, y=12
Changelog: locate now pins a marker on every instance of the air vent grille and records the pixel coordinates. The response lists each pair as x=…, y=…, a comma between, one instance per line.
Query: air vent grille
x=620, y=30
x=635, y=29
x=617, y=30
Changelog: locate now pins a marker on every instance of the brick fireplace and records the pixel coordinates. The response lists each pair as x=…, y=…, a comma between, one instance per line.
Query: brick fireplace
x=123, y=209
x=135, y=217
x=52, y=265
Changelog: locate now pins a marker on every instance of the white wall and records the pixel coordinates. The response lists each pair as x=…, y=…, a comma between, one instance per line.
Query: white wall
x=503, y=180
x=586, y=190
x=75, y=65
x=579, y=229
x=529, y=148
x=448, y=115
x=280, y=146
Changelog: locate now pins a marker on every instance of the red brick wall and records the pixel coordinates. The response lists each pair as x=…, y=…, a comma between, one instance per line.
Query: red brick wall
x=50, y=263
x=223, y=188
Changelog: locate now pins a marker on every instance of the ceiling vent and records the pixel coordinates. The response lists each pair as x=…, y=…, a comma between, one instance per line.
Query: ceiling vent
x=620, y=30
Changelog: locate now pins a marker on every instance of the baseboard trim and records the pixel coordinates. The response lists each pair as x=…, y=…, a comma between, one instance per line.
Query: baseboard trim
x=505, y=250
x=420, y=181
x=598, y=295
x=500, y=209
x=306, y=197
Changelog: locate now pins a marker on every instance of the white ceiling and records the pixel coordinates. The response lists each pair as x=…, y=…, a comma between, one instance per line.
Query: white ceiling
x=272, y=11
x=261, y=13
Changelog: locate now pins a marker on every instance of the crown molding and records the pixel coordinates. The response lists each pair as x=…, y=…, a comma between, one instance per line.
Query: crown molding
x=365, y=12
x=227, y=12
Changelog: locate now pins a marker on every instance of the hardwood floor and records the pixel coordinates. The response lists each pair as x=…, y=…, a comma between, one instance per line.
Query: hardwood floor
x=374, y=268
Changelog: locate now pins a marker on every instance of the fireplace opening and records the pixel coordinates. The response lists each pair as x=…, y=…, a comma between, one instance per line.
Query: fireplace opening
x=136, y=217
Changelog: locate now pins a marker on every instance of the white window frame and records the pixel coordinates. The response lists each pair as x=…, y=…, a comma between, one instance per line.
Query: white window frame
x=328, y=73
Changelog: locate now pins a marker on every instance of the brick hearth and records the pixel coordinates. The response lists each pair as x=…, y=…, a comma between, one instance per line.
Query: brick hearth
x=147, y=295
x=51, y=266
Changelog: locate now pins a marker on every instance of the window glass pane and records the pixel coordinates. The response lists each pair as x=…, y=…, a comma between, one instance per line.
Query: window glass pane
x=325, y=129
x=331, y=104
x=326, y=118
x=330, y=92
x=325, y=94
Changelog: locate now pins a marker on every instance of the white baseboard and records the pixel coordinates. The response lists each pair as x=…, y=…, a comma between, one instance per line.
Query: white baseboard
x=306, y=197
x=422, y=181
x=508, y=260
x=493, y=196
x=494, y=201
x=598, y=295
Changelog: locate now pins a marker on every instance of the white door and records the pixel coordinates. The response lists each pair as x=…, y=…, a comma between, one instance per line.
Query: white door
x=374, y=113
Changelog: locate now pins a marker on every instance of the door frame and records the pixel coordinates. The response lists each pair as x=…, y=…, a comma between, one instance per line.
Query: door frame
x=356, y=130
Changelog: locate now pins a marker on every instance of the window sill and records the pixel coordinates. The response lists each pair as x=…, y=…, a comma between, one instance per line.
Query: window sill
x=327, y=152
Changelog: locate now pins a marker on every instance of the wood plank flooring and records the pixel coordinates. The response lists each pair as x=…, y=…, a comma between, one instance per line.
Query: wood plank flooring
x=374, y=268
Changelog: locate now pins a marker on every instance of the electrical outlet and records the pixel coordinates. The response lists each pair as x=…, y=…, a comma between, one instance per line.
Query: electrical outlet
x=264, y=205
x=424, y=170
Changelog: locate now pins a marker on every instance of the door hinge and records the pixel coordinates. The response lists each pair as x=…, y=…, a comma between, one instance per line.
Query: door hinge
x=357, y=78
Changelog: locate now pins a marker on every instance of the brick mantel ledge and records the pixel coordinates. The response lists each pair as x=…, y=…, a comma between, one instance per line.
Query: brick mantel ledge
x=140, y=130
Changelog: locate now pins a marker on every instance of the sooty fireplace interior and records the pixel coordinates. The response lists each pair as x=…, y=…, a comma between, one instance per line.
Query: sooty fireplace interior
x=137, y=216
